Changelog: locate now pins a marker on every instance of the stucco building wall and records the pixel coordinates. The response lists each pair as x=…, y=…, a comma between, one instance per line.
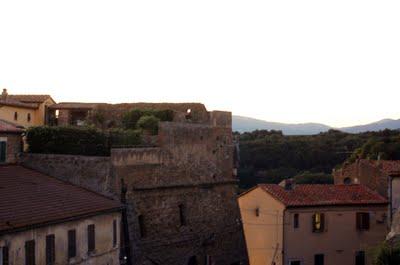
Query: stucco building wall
x=105, y=252
x=13, y=146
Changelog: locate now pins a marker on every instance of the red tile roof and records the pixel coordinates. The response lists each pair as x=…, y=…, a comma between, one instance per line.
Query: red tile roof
x=29, y=98
x=323, y=195
x=29, y=198
x=15, y=103
x=8, y=127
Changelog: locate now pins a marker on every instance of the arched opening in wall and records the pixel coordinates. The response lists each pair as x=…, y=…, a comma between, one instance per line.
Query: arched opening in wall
x=193, y=261
x=347, y=181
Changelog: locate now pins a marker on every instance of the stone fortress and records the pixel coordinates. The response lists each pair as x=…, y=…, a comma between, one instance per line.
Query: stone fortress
x=180, y=192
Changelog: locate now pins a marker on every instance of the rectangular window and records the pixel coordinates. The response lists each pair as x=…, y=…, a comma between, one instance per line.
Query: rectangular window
x=296, y=220
x=142, y=226
x=319, y=259
x=360, y=258
x=318, y=222
x=295, y=262
x=71, y=243
x=3, y=151
x=30, y=252
x=50, y=250
x=91, y=238
x=4, y=256
x=114, y=233
x=182, y=214
x=362, y=221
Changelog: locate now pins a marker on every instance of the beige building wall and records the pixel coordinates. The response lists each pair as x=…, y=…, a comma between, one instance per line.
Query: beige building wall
x=37, y=115
x=263, y=233
x=105, y=253
x=340, y=241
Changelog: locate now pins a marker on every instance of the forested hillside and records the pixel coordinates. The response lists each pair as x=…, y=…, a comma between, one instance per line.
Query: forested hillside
x=270, y=156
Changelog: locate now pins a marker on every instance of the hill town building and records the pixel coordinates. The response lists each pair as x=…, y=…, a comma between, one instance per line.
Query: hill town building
x=312, y=224
x=47, y=221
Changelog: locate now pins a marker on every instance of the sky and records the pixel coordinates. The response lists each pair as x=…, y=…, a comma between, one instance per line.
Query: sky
x=333, y=62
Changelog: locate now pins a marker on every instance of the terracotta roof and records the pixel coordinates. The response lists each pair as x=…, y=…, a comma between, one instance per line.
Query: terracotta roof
x=29, y=198
x=15, y=103
x=74, y=105
x=30, y=98
x=8, y=127
x=324, y=195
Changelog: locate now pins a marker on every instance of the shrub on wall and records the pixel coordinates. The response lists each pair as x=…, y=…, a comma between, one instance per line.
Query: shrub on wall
x=130, y=119
x=67, y=140
x=119, y=138
x=149, y=123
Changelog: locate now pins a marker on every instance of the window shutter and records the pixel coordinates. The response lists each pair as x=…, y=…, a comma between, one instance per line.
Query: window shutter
x=91, y=238
x=366, y=221
x=322, y=222
x=50, y=249
x=30, y=252
x=3, y=146
x=358, y=221
x=5, y=255
x=71, y=243
x=313, y=222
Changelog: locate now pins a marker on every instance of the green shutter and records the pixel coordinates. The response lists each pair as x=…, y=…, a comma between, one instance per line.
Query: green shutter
x=3, y=147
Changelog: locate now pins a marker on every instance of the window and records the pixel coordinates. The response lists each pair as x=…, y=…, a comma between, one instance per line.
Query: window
x=28, y=117
x=71, y=243
x=15, y=116
x=360, y=258
x=296, y=220
x=182, y=214
x=50, y=250
x=318, y=222
x=114, y=233
x=3, y=147
x=319, y=259
x=30, y=252
x=142, y=226
x=347, y=181
x=4, y=256
x=295, y=262
x=91, y=238
x=257, y=212
x=362, y=221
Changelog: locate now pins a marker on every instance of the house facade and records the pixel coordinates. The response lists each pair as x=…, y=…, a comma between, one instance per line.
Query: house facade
x=25, y=110
x=10, y=142
x=47, y=221
x=312, y=224
x=382, y=176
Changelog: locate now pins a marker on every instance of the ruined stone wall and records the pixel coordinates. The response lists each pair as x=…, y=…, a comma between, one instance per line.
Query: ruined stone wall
x=192, y=168
x=93, y=173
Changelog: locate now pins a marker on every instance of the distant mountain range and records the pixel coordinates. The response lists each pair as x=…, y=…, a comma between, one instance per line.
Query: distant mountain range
x=246, y=124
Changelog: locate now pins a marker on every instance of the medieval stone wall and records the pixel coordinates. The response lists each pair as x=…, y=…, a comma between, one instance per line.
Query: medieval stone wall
x=180, y=194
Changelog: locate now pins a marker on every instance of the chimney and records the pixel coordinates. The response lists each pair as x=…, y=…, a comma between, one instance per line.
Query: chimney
x=4, y=94
x=287, y=184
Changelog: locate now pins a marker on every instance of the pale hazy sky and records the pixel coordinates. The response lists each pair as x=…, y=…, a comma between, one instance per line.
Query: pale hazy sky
x=335, y=62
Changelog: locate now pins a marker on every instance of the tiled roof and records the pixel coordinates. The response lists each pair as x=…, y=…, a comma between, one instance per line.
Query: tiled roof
x=29, y=198
x=8, y=127
x=388, y=166
x=74, y=105
x=15, y=103
x=30, y=98
x=324, y=195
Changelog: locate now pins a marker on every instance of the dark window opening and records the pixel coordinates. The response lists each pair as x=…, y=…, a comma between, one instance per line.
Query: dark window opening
x=30, y=252
x=4, y=251
x=91, y=234
x=362, y=221
x=50, y=250
x=193, y=261
x=114, y=233
x=142, y=227
x=347, y=181
x=319, y=259
x=28, y=118
x=318, y=222
x=360, y=258
x=71, y=243
x=182, y=214
x=295, y=262
x=257, y=212
x=15, y=116
x=3, y=147
x=296, y=220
